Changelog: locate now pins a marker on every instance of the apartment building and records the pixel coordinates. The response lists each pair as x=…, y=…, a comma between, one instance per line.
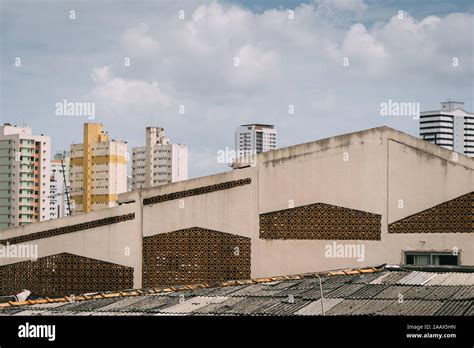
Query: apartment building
x=24, y=176
x=255, y=138
x=98, y=170
x=158, y=162
x=450, y=127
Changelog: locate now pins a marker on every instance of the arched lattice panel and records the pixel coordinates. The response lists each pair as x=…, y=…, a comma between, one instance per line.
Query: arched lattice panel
x=320, y=221
x=64, y=274
x=194, y=255
x=454, y=216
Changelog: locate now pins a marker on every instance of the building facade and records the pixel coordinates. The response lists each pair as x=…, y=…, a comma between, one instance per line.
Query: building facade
x=24, y=176
x=98, y=170
x=158, y=162
x=251, y=139
x=368, y=198
x=450, y=127
x=59, y=186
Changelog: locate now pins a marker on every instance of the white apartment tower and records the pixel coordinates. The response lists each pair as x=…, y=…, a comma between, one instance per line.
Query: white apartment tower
x=158, y=162
x=59, y=182
x=24, y=176
x=255, y=138
x=450, y=127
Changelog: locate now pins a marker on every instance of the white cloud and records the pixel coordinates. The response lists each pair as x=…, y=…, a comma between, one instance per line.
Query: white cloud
x=282, y=61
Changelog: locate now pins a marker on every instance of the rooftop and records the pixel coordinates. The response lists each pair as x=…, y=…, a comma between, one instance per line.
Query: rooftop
x=382, y=290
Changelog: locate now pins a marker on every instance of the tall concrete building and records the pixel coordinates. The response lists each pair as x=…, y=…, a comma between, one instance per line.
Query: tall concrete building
x=255, y=138
x=158, y=162
x=450, y=127
x=98, y=170
x=24, y=176
x=59, y=184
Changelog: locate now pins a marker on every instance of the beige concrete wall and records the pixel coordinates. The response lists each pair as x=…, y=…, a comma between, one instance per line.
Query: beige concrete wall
x=367, y=171
x=118, y=243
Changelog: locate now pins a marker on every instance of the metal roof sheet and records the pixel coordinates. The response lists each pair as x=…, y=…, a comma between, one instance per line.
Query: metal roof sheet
x=459, y=279
x=417, y=278
x=252, y=305
x=454, y=308
x=442, y=292
x=464, y=293
x=194, y=304
x=418, y=292
x=373, y=307
x=121, y=303
x=314, y=307
x=218, y=308
x=390, y=277
x=366, y=278
x=286, y=307
x=368, y=291
x=346, y=307
x=438, y=279
x=393, y=292
x=413, y=307
x=345, y=290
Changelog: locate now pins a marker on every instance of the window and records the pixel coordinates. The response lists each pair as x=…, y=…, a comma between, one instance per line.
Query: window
x=431, y=258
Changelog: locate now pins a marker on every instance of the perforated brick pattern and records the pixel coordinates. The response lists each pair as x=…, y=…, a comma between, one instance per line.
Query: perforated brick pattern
x=64, y=274
x=454, y=216
x=196, y=191
x=194, y=255
x=320, y=221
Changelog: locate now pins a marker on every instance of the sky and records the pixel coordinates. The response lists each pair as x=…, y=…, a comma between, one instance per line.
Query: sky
x=173, y=64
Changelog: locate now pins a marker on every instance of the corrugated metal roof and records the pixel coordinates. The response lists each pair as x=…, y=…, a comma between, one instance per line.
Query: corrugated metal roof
x=218, y=308
x=413, y=307
x=390, y=277
x=368, y=291
x=346, y=307
x=442, y=292
x=459, y=279
x=314, y=307
x=418, y=292
x=345, y=290
x=464, y=293
x=373, y=307
x=454, y=308
x=194, y=304
x=393, y=292
x=387, y=292
x=417, y=278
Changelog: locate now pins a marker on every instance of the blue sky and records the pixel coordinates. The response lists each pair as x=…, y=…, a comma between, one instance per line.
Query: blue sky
x=189, y=62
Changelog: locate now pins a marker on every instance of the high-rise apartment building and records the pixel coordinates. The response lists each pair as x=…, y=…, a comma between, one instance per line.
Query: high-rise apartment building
x=255, y=138
x=59, y=184
x=450, y=127
x=158, y=162
x=98, y=170
x=24, y=176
